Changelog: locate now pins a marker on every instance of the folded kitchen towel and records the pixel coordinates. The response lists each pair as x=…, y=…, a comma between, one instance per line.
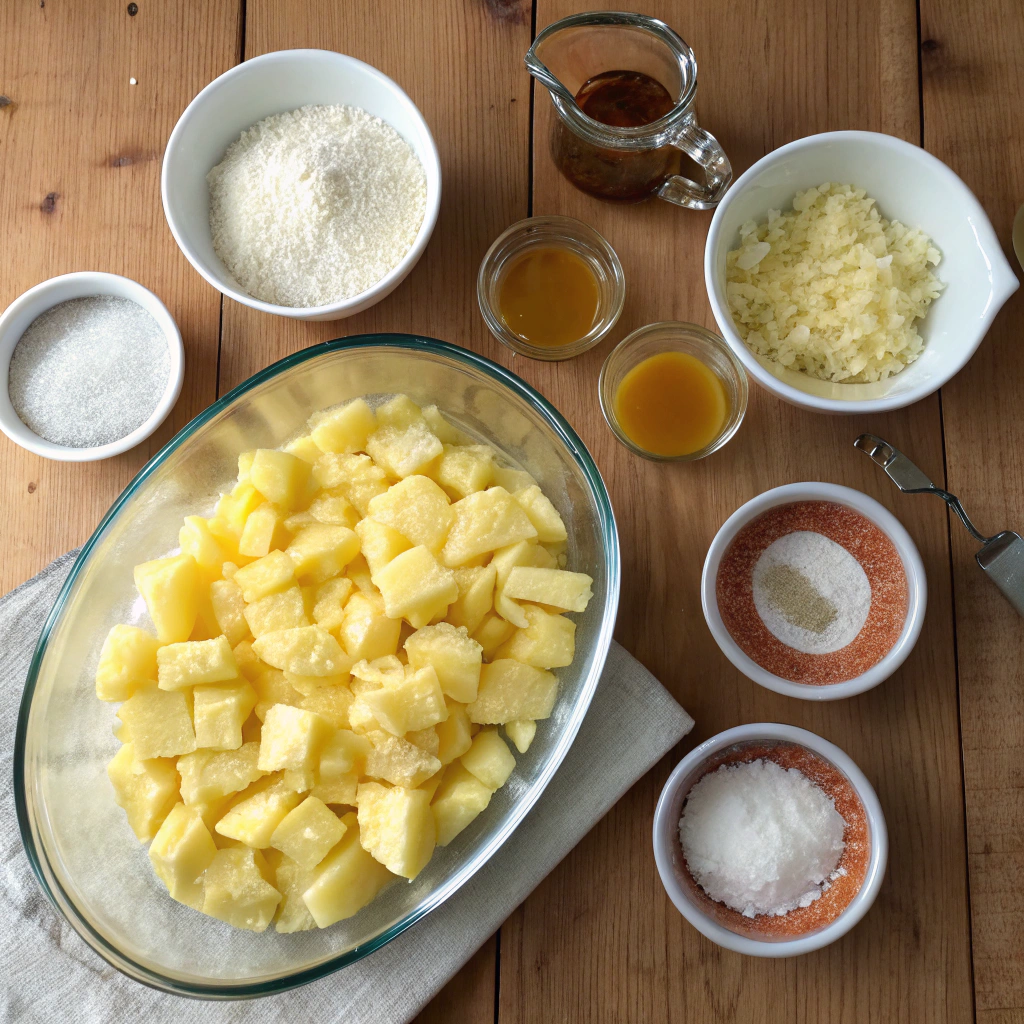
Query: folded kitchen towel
x=50, y=976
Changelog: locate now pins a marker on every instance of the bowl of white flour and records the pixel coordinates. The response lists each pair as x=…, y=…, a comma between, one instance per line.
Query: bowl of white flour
x=303, y=183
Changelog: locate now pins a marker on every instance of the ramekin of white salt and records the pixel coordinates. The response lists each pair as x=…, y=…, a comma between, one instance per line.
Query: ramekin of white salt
x=90, y=366
x=764, y=858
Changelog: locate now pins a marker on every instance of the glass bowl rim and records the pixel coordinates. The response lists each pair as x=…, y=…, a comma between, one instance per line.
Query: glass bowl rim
x=37, y=858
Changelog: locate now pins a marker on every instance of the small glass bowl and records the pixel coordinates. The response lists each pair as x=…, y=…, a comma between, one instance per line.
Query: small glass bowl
x=545, y=233
x=675, y=336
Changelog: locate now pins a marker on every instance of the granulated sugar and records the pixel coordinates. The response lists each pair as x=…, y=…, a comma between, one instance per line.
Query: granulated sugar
x=316, y=205
x=760, y=838
x=89, y=371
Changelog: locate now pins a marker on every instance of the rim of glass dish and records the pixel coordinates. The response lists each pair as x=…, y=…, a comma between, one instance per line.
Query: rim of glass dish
x=709, y=338
x=214, y=990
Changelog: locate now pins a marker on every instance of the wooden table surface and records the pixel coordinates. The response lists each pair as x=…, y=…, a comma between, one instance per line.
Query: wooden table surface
x=942, y=740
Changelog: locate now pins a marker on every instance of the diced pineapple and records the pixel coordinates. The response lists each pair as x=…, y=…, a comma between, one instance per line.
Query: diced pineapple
x=233, y=509
x=346, y=879
x=194, y=662
x=127, y=659
x=454, y=734
x=453, y=655
x=512, y=480
x=261, y=809
x=159, y=721
x=291, y=738
x=298, y=521
x=321, y=551
x=331, y=703
x=366, y=630
x=229, y=610
x=281, y=478
x=476, y=596
x=544, y=516
x=344, y=752
x=305, y=650
x=379, y=672
x=284, y=610
x=431, y=785
x=196, y=540
x=304, y=448
x=147, y=789
x=208, y=776
x=443, y=430
x=307, y=685
x=337, y=789
x=181, y=851
x=489, y=759
x=418, y=509
x=485, y=521
x=396, y=826
x=510, y=690
x=426, y=739
x=415, y=586
x=236, y=891
x=521, y=733
x=458, y=800
x=218, y=713
x=170, y=588
x=403, y=451
x=465, y=469
x=308, y=833
x=547, y=642
x=267, y=575
x=398, y=761
x=272, y=688
x=414, y=703
x=379, y=543
x=299, y=780
x=558, y=588
x=399, y=411
x=504, y=561
x=355, y=476
x=329, y=603
x=344, y=429
x=245, y=464
x=264, y=531
x=291, y=881
x=492, y=633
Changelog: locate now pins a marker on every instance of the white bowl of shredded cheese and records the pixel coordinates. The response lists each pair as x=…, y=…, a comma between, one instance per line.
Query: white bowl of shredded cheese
x=303, y=183
x=947, y=234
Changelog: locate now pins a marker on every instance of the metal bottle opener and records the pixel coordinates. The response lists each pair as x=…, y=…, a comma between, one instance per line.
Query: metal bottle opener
x=1001, y=556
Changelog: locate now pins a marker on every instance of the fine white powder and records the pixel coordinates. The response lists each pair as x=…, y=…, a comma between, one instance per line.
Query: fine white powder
x=760, y=838
x=828, y=572
x=316, y=205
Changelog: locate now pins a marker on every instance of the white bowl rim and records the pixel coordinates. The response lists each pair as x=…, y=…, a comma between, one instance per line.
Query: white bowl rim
x=1004, y=282
x=917, y=588
x=86, y=283
x=386, y=284
x=665, y=835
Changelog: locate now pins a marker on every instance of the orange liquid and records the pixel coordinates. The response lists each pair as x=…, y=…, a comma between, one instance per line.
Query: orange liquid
x=549, y=297
x=671, y=404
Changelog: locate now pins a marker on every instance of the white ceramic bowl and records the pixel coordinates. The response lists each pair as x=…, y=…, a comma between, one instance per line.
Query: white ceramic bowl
x=36, y=301
x=668, y=853
x=911, y=186
x=917, y=586
x=258, y=88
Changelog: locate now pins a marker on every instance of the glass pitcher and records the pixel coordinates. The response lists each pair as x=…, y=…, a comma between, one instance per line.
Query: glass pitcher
x=627, y=164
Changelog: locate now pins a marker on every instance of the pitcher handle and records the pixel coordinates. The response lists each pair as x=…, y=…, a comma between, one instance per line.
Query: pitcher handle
x=702, y=147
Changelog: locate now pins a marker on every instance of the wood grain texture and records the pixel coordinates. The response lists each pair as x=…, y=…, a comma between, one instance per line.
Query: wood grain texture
x=80, y=153
x=971, y=75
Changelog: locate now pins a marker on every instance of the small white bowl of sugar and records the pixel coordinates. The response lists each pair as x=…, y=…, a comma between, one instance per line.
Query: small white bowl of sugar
x=90, y=366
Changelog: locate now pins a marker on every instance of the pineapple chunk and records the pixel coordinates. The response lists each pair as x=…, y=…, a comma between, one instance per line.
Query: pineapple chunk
x=291, y=881
x=208, y=776
x=321, y=551
x=218, y=713
x=407, y=706
x=196, y=540
x=418, y=509
x=458, y=800
x=253, y=818
x=442, y=429
x=337, y=789
x=512, y=480
x=284, y=610
x=264, y=531
x=431, y=785
x=298, y=521
x=366, y=631
x=308, y=833
x=476, y=596
x=308, y=685
x=489, y=759
x=398, y=761
x=194, y=662
x=415, y=586
x=453, y=655
x=333, y=508
x=235, y=890
x=331, y=703
x=231, y=512
x=465, y=469
x=359, y=573
x=170, y=588
x=343, y=753
x=159, y=722
x=291, y=738
x=547, y=642
x=454, y=734
x=396, y=826
x=521, y=733
x=128, y=658
x=346, y=879
x=299, y=780
x=492, y=633
x=344, y=429
x=304, y=650
x=379, y=672
x=510, y=690
x=181, y=851
x=544, y=516
x=281, y=478
x=355, y=476
x=272, y=688
x=403, y=451
x=147, y=789
x=229, y=610
x=569, y=591
x=379, y=543
x=426, y=739
x=267, y=575
x=303, y=447
x=484, y=522
x=329, y=602
x=504, y=561
x=400, y=411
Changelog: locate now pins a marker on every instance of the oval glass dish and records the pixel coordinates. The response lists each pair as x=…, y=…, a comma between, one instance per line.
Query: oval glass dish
x=77, y=838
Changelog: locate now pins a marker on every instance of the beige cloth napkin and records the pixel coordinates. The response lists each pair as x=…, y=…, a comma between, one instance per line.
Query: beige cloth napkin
x=50, y=976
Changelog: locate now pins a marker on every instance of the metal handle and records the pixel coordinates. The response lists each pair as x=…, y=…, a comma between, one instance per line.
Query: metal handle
x=703, y=148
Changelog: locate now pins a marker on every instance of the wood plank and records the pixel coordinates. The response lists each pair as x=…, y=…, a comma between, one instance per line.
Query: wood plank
x=599, y=941
x=469, y=996
x=971, y=73
x=77, y=131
